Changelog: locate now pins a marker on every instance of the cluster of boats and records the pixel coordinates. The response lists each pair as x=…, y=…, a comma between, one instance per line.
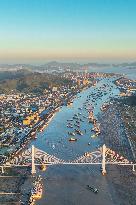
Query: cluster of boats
x=105, y=106
x=36, y=192
x=91, y=118
x=75, y=123
x=96, y=126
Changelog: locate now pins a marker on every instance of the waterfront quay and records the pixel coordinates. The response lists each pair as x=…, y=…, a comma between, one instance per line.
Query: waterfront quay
x=126, y=86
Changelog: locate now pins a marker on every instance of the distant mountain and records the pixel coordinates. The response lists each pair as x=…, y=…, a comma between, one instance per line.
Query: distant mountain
x=63, y=66
x=60, y=66
x=131, y=65
x=98, y=65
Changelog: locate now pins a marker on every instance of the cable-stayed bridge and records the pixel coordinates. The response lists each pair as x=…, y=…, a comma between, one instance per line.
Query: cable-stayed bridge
x=35, y=157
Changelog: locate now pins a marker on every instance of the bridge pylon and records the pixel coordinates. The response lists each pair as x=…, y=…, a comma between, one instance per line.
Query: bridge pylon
x=133, y=168
x=33, y=171
x=103, y=160
x=2, y=169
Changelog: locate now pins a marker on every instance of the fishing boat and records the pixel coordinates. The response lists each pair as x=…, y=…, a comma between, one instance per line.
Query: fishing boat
x=35, y=137
x=69, y=104
x=93, y=189
x=33, y=133
x=72, y=139
x=69, y=126
x=90, y=120
x=69, y=123
x=78, y=132
x=77, y=125
x=41, y=129
x=77, y=122
x=71, y=133
x=79, y=113
x=97, y=133
x=74, y=117
x=43, y=167
x=70, y=120
x=104, y=107
x=93, y=136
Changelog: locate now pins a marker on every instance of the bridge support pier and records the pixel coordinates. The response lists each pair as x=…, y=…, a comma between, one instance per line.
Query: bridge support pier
x=134, y=168
x=103, y=160
x=2, y=170
x=33, y=171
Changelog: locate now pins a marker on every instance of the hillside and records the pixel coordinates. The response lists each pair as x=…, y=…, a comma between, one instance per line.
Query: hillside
x=34, y=82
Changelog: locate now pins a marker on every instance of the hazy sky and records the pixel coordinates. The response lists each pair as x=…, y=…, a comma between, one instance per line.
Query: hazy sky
x=67, y=29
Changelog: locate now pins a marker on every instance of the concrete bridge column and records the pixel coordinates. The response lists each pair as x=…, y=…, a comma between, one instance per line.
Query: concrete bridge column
x=134, y=168
x=103, y=160
x=33, y=171
x=2, y=170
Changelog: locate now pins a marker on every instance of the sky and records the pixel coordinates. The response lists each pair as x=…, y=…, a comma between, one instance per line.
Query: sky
x=84, y=30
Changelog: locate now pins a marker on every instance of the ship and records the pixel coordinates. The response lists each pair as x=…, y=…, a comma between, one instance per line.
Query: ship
x=93, y=136
x=76, y=125
x=43, y=167
x=72, y=139
x=69, y=104
x=69, y=126
x=71, y=133
x=78, y=132
x=105, y=106
x=33, y=135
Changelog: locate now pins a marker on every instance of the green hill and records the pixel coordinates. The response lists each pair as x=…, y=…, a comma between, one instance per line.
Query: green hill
x=33, y=82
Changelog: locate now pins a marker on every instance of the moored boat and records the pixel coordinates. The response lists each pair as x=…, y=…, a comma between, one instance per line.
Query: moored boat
x=71, y=133
x=78, y=132
x=43, y=167
x=70, y=126
x=72, y=139
x=93, y=136
x=93, y=189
